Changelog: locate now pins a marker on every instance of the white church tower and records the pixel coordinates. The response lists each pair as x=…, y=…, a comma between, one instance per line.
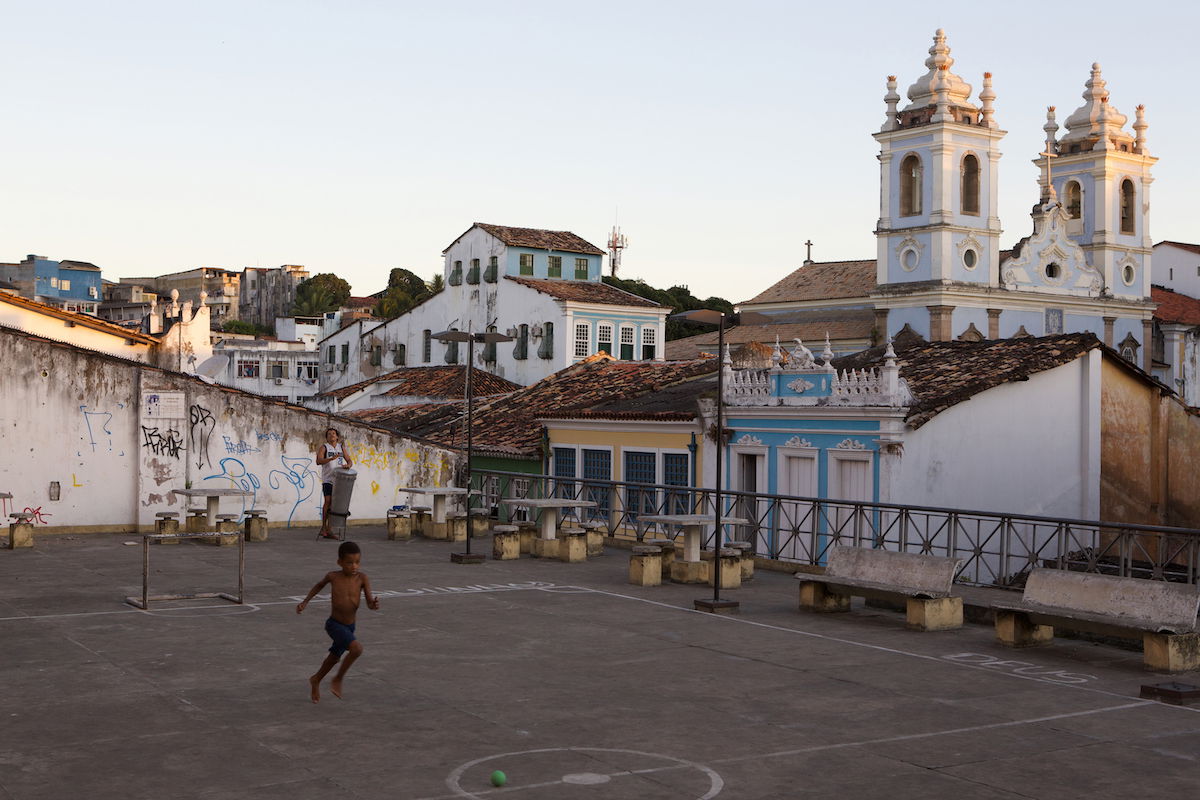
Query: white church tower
x=938, y=222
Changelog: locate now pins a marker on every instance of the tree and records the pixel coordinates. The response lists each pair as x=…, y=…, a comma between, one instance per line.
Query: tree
x=437, y=284
x=241, y=326
x=320, y=293
x=678, y=298
x=408, y=281
x=404, y=290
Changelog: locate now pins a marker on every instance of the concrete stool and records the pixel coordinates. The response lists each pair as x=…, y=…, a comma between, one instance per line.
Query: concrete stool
x=596, y=531
x=226, y=524
x=456, y=526
x=528, y=531
x=197, y=520
x=506, y=542
x=255, y=525
x=747, y=558
x=645, y=565
x=478, y=523
x=422, y=521
x=731, y=570
x=399, y=525
x=668, y=554
x=20, y=530
x=166, y=522
x=545, y=548
x=572, y=547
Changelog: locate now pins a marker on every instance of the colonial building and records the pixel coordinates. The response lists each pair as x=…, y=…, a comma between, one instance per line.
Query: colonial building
x=540, y=287
x=939, y=269
x=268, y=293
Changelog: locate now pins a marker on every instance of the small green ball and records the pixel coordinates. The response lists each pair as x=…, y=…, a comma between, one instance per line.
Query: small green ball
x=498, y=778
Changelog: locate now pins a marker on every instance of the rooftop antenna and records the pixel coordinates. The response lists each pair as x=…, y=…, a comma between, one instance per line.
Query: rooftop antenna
x=616, y=243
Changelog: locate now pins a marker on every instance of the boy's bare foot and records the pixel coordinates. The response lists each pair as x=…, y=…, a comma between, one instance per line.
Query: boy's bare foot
x=316, y=689
x=335, y=686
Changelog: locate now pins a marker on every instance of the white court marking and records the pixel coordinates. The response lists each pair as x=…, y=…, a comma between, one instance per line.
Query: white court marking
x=454, y=779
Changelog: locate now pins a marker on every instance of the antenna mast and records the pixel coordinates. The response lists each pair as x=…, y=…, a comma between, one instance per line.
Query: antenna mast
x=616, y=243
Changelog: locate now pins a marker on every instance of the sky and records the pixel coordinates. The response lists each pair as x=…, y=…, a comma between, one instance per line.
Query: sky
x=353, y=137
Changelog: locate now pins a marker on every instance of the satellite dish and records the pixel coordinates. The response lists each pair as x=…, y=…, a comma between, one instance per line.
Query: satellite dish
x=213, y=367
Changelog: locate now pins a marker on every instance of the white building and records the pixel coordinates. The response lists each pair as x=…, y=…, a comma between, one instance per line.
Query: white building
x=541, y=287
x=282, y=368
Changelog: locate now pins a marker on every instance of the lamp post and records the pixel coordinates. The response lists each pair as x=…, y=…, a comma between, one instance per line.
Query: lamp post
x=470, y=337
x=708, y=316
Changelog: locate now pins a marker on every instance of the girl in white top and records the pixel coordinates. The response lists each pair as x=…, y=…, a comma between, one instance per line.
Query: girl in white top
x=331, y=455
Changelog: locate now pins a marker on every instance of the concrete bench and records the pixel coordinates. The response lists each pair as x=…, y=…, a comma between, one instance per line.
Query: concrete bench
x=922, y=581
x=572, y=545
x=166, y=523
x=399, y=524
x=667, y=546
x=596, y=530
x=478, y=520
x=20, y=530
x=745, y=559
x=1162, y=614
x=645, y=565
x=197, y=520
x=422, y=521
x=254, y=526
x=166, y=515
x=506, y=542
x=731, y=570
x=456, y=526
x=528, y=530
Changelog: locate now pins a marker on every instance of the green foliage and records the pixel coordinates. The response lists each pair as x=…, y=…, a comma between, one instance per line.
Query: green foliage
x=678, y=298
x=408, y=281
x=240, y=326
x=437, y=284
x=404, y=291
x=320, y=293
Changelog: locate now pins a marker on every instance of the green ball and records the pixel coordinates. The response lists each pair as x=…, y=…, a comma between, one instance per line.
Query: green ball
x=498, y=778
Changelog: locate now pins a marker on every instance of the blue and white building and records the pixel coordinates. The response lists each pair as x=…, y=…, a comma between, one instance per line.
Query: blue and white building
x=69, y=285
x=541, y=287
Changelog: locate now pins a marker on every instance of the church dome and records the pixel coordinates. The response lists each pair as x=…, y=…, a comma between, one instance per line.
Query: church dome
x=924, y=91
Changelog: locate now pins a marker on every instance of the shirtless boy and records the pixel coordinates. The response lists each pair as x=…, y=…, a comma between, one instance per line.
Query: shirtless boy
x=345, y=586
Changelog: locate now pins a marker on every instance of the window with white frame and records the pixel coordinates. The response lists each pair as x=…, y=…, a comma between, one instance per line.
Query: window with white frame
x=276, y=369
x=627, y=342
x=247, y=368
x=649, y=339
x=583, y=333
x=306, y=370
x=604, y=336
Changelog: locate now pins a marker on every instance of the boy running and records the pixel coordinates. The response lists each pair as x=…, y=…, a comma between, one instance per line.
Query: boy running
x=345, y=586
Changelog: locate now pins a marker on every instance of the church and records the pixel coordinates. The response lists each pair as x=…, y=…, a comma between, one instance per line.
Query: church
x=940, y=271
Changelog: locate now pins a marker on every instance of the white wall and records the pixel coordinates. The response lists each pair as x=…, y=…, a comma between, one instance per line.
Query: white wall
x=87, y=422
x=1017, y=448
x=1177, y=269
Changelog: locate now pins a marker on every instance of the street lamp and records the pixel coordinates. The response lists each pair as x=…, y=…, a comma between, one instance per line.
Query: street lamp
x=470, y=337
x=707, y=316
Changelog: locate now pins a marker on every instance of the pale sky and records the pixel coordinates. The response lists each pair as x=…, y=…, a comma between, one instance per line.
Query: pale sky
x=353, y=137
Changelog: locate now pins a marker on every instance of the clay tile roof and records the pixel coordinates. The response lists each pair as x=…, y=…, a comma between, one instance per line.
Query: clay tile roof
x=1194, y=248
x=508, y=424
x=540, y=239
x=86, y=320
x=840, y=326
x=1175, y=307
x=944, y=374
x=448, y=381
x=821, y=281
x=585, y=292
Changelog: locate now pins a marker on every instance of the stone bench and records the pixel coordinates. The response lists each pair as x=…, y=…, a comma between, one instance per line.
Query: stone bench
x=572, y=545
x=667, y=546
x=254, y=526
x=922, y=581
x=478, y=521
x=422, y=521
x=20, y=530
x=197, y=520
x=399, y=524
x=166, y=522
x=731, y=569
x=456, y=526
x=528, y=530
x=1162, y=614
x=596, y=531
x=506, y=542
x=645, y=565
x=745, y=559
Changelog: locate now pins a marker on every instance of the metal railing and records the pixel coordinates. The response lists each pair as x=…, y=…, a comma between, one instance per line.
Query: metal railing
x=998, y=550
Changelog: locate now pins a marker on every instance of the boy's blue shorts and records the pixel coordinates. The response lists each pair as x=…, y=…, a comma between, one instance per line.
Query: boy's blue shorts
x=342, y=635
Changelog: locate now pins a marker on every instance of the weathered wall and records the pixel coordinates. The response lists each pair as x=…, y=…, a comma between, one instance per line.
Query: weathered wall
x=1129, y=410
x=117, y=437
x=1183, y=466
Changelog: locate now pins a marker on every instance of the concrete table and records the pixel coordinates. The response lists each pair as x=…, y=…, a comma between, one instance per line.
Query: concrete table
x=693, y=526
x=213, y=499
x=440, y=494
x=547, y=508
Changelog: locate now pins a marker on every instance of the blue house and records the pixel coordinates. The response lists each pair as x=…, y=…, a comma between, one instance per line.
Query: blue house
x=69, y=285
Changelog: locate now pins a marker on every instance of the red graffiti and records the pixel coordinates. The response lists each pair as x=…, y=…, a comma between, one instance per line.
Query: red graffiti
x=39, y=518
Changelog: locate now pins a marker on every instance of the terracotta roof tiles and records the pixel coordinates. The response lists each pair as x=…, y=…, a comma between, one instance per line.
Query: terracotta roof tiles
x=826, y=280
x=538, y=238
x=842, y=326
x=1175, y=307
x=585, y=292
x=447, y=381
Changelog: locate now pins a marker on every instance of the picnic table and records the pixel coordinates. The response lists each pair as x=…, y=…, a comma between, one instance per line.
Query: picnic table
x=213, y=499
x=693, y=526
x=440, y=495
x=548, y=508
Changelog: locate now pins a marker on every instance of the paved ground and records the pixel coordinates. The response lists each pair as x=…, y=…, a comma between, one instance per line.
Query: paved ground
x=572, y=682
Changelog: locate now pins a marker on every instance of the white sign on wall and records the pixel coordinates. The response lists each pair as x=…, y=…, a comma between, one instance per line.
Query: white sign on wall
x=164, y=405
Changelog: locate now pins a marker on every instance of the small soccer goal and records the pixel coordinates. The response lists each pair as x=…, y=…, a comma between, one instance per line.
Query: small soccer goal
x=143, y=602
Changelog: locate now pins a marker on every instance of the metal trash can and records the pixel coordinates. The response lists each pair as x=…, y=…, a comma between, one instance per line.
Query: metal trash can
x=343, y=489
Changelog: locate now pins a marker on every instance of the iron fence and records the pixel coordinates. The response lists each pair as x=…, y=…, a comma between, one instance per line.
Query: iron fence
x=997, y=549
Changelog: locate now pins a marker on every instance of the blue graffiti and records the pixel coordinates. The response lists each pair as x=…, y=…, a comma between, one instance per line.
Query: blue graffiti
x=268, y=437
x=236, y=473
x=300, y=474
x=103, y=418
x=240, y=447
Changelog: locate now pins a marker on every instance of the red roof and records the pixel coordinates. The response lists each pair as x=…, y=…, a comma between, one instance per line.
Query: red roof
x=536, y=238
x=1175, y=307
x=585, y=292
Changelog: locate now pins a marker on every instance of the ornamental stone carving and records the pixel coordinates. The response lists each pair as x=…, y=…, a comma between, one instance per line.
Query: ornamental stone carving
x=796, y=441
x=851, y=444
x=748, y=439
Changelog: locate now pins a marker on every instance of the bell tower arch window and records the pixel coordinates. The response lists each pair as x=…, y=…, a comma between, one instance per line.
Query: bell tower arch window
x=910, y=186
x=1074, y=200
x=970, y=185
x=1128, y=203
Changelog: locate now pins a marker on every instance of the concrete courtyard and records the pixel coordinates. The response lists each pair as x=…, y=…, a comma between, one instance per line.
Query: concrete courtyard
x=565, y=677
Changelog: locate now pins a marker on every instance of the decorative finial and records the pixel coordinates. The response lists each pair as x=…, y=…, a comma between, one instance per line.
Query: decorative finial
x=986, y=97
x=892, y=99
x=941, y=91
x=827, y=353
x=889, y=354
x=1051, y=129
x=1140, y=126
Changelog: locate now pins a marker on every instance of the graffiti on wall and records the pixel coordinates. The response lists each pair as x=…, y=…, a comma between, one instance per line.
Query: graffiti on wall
x=241, y=447
x=167, y=442
x=299, y=474
x=201, y=427
x=98, y=432
x=235, y=472
x=39, y=516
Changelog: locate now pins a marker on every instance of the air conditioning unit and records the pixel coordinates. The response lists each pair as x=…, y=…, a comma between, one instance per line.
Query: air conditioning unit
x=511, y=332
x=279, y=381
x=327, y=368
x=535, y=330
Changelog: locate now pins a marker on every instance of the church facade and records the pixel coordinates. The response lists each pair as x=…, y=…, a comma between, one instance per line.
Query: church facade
x=940, y=270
